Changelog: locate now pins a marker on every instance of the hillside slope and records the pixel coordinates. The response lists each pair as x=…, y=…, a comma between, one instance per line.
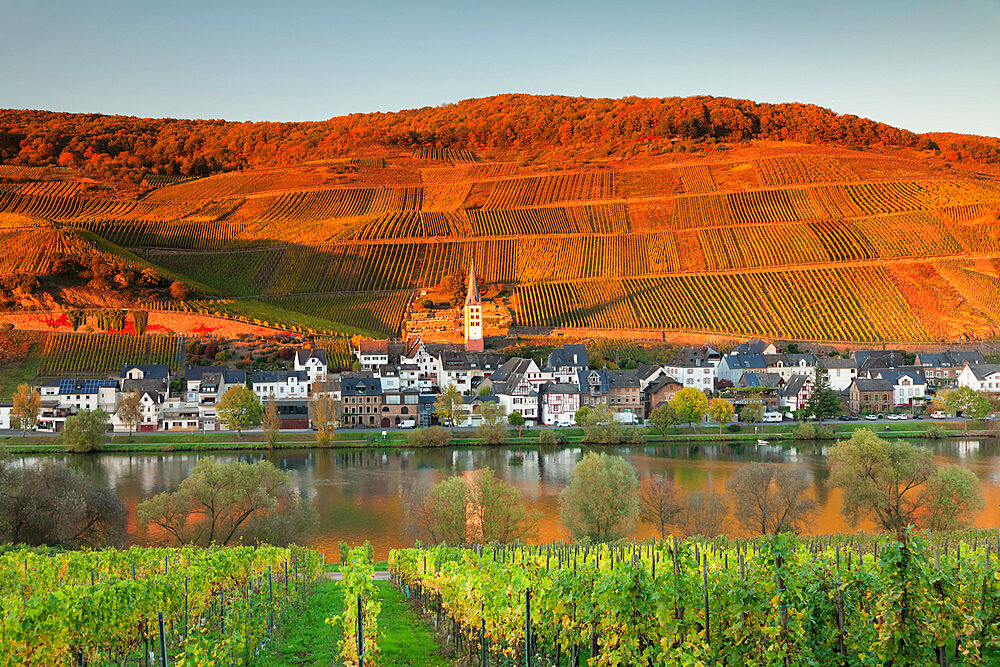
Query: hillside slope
x=596, y=214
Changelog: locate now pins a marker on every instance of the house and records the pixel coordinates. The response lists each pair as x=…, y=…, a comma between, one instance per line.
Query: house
x=65, y=397
x=5, y=409
x=419, y=364
x=459, y=368
x=787, y=365
x=909, y=388
x=471, y=409
x=796, y=392
x=399, y=405
x=282, y=385
x=559, y=402
x=517, y=392
x=427, y=407
x=527, y=368
x=735, y=364
x=390, y=376
x=694, y=367
x=594, y=387
x=565, y=363
x=206, y=385
x=625, y=390
x=870, y=395
x=755, y=346
x=945, y=367
x=660, y=391
x=371, y=353
x=293, y=413
x=841, y=372
x=981, y=377
x=312, y=362
x=176, y=415
x=759, y=386
x=150, y=404
x=866, y=359
x=361, y=398
x=145, y=372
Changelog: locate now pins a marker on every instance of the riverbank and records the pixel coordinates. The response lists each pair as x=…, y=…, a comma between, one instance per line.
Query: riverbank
x=231, y=441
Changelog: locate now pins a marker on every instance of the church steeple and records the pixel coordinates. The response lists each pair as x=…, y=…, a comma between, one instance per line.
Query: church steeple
x=472, y=295
x=473, y=315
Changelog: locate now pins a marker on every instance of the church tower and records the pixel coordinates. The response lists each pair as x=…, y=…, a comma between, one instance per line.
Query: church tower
x=473, y=315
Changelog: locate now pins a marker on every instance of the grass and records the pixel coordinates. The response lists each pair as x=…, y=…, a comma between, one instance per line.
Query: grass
x=306, y=639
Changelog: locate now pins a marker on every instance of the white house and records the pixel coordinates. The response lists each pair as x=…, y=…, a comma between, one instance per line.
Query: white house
x=150, y=405
x=372, y=353
x=420, y=362
x=565, y=363
x=518, y=394
x=5, y=409
x=206, y=385
x=558, y=403
x=144, y=372
x=312, y=362
x=281, y=384
x=796, y=392
x=787, y=365
x=841, y=372
x=695, y=367
x=908, y=387
x=981, y=377
x=65, y=397
x=460, y=368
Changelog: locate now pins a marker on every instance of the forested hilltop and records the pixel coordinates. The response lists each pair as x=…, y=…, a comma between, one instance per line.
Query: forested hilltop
x=123, y=146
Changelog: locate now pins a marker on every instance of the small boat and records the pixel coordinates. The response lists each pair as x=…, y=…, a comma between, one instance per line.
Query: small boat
x=762, y=442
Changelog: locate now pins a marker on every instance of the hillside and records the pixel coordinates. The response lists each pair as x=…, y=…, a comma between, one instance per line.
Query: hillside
x=704, y=216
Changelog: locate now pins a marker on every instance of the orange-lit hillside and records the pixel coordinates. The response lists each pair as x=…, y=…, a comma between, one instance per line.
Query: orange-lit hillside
x=699, y=215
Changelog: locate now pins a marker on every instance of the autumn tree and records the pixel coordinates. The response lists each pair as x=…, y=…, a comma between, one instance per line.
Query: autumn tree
x=179, y=291
x=701, y=513
x=896, y=484
x=664, y=417
x=659, y=502
x=325, y=413
x=721, y=412
x=271, y=422
x=973, y=404
x=600, y=502
x=440, y=513
x=690, y=405
x=492, y=430
x=27, y=405
x=600, y=427
x=753, y=411
x=497, y=510
x=129, y=411
x=448, y=408
x=771, y=498
x=86, y=431
x=239, y=408
x=231, y=503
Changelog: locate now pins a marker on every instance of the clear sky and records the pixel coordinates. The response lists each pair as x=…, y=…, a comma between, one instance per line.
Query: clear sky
x=924, y=66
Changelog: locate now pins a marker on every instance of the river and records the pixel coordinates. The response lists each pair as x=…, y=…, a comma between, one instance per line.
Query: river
x=359, y=492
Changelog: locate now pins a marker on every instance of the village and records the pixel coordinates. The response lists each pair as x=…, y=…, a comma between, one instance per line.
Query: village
x=397, y=384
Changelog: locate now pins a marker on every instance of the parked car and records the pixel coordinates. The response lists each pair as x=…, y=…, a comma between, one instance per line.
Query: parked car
x=871, y=418
x=937, y=414
x=771, y=417
x=626, y=418
x=408, y=423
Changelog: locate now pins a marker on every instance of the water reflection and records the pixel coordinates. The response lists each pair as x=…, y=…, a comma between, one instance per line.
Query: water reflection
x=359, y=493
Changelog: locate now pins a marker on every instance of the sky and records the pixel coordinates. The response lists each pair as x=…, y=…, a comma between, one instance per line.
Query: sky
x=923, y=66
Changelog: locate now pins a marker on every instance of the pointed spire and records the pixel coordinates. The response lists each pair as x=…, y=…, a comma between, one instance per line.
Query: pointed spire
x=472, y=295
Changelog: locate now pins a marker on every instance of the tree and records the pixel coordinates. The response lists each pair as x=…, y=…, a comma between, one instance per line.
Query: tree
x=770, y=498
x=448, y=409
x=701, y=513
x=887, y=481
x=600, y=501
x=659, y=502
x=497, y=510
x=721, y=412
x=432, y=436
x=441, y=512
x=129, y=411
x=753, y=411
x=57, y=505
x=271, y=423
x=325, y=415
x=239, y=408
x=663, y=417
x=600, y=427
x=516, y=419
x=86, y=431
x=492, y=430
x=953, y=497
x=824, y=401
x=690, y=405
x=580, y=416
x=231, y=503
x=27, y=405
x=179, y=291
x=971, y=403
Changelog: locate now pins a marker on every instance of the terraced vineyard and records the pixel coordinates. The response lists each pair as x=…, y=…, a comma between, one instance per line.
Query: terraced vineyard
x=788, y=242
x=91, y=354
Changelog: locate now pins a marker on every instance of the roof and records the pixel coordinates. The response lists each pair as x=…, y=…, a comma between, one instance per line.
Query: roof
x=195, y=373
x=360, y=386
x=155, y=386
x=472, y=294
x=412, y=347
x=895, y=376
x=279, y=376
x=149, y=371
x=689, y=357
x=752, y=346
x=837, y=362
x=476, y=398
x=950, y=358
x=661, y=382
x=872, y=384
x=373, y=346
x=766, y=380
x=74, y=386
x=234, y=376
x=794, y=384
x=304, y=355
x=559, y=388
x=744, y=360
x=982, y=371
x=601, y=383
x=572, y=354
x=458, y=360
x=621, y=379
x=878, y=358
x=511, y=367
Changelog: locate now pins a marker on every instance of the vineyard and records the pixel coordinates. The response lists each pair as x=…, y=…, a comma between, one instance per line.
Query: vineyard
x=88, y=354
x=844, y=600
x=185, y=606
x=378, y=315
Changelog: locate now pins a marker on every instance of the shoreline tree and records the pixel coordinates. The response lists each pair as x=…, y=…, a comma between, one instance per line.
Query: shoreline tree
x=447, y=410
x=663, y=417
x=130, y=411
x=721, y=412
x=239, y=408
x=690, y=405
x=771, y=498
x=824, y=401
x=27, y=405
x=492, y=430
x=325, y=415
x=659, y=502
x=600, y=502
x=271, y=422
x=86, y=431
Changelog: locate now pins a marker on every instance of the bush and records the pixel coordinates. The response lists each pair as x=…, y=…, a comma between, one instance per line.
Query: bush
x=432, y=436
x=935, y=432
x=825, y=433
x=549, y=437
x=804, y=432
x=733, y=428
x=495, y=434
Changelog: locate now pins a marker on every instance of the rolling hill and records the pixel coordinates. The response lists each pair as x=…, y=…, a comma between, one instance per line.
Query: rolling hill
x=696, y=215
